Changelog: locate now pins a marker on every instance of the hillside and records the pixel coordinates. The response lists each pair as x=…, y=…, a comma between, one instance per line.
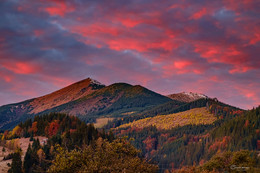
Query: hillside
x=61, y=143
x=194, y=116
x=219, y=109
x=188, y=145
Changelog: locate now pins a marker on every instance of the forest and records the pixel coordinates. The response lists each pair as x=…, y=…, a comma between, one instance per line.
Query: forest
x=192, y=145
x=72, y=146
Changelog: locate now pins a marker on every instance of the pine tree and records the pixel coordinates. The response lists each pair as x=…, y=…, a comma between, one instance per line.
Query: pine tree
x=16, y=165
x=28, y=159
x=31, y=159
x=36, y=145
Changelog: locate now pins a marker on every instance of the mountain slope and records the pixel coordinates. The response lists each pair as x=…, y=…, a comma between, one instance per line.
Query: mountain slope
x=65, y=95
x=114, y=99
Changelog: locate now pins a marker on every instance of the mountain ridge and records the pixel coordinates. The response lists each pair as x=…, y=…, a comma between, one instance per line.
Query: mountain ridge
x=90, y=99
x=87, y=98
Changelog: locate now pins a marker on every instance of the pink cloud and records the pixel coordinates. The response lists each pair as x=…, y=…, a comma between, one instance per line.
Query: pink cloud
x=60, y=8
x=199, y=14
x=230, y=55
x=181, y=64
x=179, y=67
x=6, y=77
x=21, y=67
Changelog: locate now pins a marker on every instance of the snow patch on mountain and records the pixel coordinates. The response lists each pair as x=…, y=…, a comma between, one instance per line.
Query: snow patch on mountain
x=93, y=81
x=187, y=96
x=195, y=95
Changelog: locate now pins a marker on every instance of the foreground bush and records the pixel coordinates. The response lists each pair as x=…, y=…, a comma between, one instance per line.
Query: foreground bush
x=117, y=156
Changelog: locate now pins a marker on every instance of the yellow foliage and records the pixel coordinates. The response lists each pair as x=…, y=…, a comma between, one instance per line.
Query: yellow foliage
x=16, y=130
x=194, y=116
x=41, y=154
x=3, y=137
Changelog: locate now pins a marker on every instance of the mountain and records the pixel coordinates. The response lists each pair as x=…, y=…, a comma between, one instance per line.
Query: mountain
x=187, y=96
x=13, y=113
x=88, y=99
x=114, y=100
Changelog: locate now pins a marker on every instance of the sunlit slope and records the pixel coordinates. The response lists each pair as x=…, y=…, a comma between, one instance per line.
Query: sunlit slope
x=114, y=99
x=194, y=116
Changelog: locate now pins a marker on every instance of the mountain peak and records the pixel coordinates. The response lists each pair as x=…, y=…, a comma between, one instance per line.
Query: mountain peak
x=70, y=93
x=93, y=81
x=89, y=81
x=187, y=96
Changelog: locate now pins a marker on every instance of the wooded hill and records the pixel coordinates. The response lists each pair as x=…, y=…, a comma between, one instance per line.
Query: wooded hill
x=72, y=146
x=196, y=144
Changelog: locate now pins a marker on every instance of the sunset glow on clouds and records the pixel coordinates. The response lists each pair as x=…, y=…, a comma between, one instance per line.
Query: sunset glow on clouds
x=211, y=47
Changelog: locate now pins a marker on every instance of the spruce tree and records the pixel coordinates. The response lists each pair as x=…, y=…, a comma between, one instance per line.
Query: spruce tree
x=28, y=159
x=16, y=165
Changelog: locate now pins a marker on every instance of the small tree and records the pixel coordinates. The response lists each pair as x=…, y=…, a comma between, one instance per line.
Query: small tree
x=16, y=165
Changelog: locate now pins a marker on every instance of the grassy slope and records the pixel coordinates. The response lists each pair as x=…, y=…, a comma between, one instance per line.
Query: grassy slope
x=194, y=116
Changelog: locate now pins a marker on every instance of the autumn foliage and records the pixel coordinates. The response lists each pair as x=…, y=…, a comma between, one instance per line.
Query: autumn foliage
x=53, y=128
x=34, y=128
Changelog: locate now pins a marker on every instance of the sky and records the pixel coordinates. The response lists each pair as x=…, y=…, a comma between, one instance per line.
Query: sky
x=168, y=46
